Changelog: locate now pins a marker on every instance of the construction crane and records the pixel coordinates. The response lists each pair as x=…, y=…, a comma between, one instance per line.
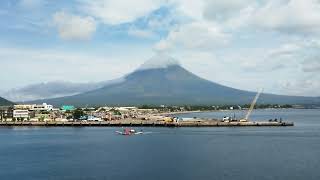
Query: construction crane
x=252, y=106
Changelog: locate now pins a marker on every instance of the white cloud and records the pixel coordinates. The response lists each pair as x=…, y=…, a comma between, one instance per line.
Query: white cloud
x=119, y=11
x=196, y=35
x=189, y=8
x=219, y=40
x=290, y=16
x=222, y=10
x=285, y=50
x=282, y=58
x=312, y=65
x=227, y=70
x=159, y=61
x=29, y=4
x=74, y=27
x=141, y=33
x=305, y=54
x=44, y=65
x=303, y=86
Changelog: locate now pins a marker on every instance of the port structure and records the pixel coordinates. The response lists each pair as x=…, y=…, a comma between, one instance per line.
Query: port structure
x=246, y=119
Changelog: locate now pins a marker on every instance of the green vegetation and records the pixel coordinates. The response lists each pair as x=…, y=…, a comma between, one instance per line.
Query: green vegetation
x=41, y=119
x=78, y=113
x=116, y=112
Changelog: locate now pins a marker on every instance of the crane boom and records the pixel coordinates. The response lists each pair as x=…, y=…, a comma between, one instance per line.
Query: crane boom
x=252, y=105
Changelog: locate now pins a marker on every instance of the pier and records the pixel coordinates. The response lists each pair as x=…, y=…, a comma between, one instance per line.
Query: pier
x=144, y=123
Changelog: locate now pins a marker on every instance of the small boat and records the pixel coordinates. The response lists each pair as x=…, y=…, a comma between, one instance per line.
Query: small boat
x=129, y=132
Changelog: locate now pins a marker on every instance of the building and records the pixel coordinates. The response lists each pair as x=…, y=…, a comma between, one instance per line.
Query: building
x=67, y=108
x=34, y=107
x=42, y=107
x=127, y=108
x=21, y=114
x=23, y=106
x=93, y=118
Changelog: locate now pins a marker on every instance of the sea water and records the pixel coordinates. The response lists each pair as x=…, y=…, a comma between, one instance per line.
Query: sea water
x=242, y=153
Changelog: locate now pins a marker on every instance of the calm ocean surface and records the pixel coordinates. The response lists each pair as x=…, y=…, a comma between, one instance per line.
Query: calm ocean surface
x=242, y=153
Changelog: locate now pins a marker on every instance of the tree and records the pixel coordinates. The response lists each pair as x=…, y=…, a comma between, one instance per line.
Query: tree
x=41, y=119
x=77, y=113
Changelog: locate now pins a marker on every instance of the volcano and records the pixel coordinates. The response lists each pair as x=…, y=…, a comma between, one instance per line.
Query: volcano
x=162, y=80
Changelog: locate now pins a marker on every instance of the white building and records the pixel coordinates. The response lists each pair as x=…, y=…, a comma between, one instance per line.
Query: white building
x=42, y=107
x=92, y=118
x=34, y=107
x=21, y=114
x=23, y=106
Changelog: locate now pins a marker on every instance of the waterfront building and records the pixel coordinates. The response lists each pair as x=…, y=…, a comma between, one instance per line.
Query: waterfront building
x=21, y=114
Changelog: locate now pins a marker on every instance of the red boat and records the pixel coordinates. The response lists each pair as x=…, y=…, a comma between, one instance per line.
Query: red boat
x=128, y=132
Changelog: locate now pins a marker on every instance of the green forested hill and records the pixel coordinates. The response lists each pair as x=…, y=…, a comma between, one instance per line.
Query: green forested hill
x=4, y=102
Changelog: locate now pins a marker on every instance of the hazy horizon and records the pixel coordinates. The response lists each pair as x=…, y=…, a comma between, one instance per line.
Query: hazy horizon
x=244, y=44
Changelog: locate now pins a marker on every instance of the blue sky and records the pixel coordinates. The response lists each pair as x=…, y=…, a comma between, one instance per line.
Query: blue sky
x=245, y=44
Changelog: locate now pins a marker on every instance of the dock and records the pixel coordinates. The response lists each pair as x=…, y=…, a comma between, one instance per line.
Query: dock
x=144, y=123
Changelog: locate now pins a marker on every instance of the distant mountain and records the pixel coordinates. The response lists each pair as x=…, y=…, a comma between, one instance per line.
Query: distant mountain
x=4, y=102
x=51, y=90
x=162, y=80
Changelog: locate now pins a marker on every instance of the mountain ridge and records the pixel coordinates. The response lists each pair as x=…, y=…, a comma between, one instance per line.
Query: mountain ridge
x=5, y=102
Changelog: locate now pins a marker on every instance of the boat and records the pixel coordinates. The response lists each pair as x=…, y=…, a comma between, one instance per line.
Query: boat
x=129, y=132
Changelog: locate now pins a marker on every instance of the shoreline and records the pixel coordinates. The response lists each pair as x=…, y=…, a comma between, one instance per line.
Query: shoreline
x=226, y=110
x=143, y=123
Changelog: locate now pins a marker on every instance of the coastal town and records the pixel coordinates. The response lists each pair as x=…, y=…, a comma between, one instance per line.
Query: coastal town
x=66, y=113
x=46, y=114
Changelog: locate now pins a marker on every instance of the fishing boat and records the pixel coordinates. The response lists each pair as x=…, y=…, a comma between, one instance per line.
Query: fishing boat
x=129, y=132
